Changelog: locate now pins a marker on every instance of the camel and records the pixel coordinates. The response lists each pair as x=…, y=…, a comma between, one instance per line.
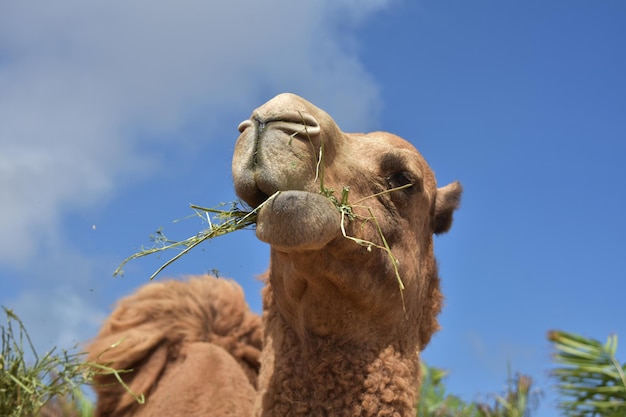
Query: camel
x=175, y=336
x=352, y=291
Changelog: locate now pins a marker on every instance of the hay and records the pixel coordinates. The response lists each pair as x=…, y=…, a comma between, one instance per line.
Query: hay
x=220, y=222
x=347, y=211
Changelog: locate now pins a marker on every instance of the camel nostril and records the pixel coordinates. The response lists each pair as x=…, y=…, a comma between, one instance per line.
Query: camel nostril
x=244, y=125
x=298, y=117
x=295, y=124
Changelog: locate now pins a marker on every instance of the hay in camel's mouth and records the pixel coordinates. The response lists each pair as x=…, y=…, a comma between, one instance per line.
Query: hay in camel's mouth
x=238, y=216
x=243, y=215
x=220, y=222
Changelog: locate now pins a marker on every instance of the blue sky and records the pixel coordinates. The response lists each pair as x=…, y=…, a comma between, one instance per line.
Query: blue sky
x=115, y=116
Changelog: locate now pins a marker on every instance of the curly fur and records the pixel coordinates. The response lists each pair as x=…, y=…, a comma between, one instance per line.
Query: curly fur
x=169, y=332
x=324, y=376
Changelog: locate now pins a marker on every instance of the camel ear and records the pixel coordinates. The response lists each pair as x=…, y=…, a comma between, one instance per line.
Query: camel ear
x=447, y=200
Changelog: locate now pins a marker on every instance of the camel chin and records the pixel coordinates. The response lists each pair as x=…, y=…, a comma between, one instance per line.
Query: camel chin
x=298, y=220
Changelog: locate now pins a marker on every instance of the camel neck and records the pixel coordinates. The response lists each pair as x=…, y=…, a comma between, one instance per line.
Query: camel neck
x=320, y=376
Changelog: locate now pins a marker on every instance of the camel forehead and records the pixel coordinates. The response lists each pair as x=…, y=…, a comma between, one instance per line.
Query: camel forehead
x=386, y=140
x=378, y=144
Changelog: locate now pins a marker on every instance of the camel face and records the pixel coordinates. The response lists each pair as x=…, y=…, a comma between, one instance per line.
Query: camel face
x=322, y=280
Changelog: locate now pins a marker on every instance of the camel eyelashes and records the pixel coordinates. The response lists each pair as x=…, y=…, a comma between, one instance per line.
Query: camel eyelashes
x=396, y=166
x=400, y=179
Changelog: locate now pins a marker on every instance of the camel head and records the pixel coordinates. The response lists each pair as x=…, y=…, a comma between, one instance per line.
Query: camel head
x=344, y=200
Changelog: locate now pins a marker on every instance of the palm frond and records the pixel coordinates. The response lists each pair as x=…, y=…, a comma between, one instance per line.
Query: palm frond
x=589, y=377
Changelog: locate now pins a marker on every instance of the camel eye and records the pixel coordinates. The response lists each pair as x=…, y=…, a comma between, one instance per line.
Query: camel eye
x=399, y=179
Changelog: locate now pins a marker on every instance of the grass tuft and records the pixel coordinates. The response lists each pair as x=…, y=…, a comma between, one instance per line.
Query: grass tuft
x=29, y=381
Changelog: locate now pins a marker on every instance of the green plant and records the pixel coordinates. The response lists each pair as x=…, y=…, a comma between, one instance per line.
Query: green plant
x=589, y=378
x=74, y=404
x=28, y=381
x=518, y=401
x=436, y=402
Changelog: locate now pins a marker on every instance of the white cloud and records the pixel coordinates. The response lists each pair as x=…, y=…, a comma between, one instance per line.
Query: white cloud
x=80, y=82
x=58, y=318
x=61, y=297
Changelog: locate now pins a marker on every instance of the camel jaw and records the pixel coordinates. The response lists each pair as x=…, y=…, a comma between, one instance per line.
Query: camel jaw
x=298, y=220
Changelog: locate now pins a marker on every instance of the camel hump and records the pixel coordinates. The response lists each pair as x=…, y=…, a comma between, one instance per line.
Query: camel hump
x=151, y=331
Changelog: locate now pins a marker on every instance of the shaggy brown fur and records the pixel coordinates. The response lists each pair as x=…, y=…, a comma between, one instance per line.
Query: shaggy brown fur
x=177, y=336
x=340, y=337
